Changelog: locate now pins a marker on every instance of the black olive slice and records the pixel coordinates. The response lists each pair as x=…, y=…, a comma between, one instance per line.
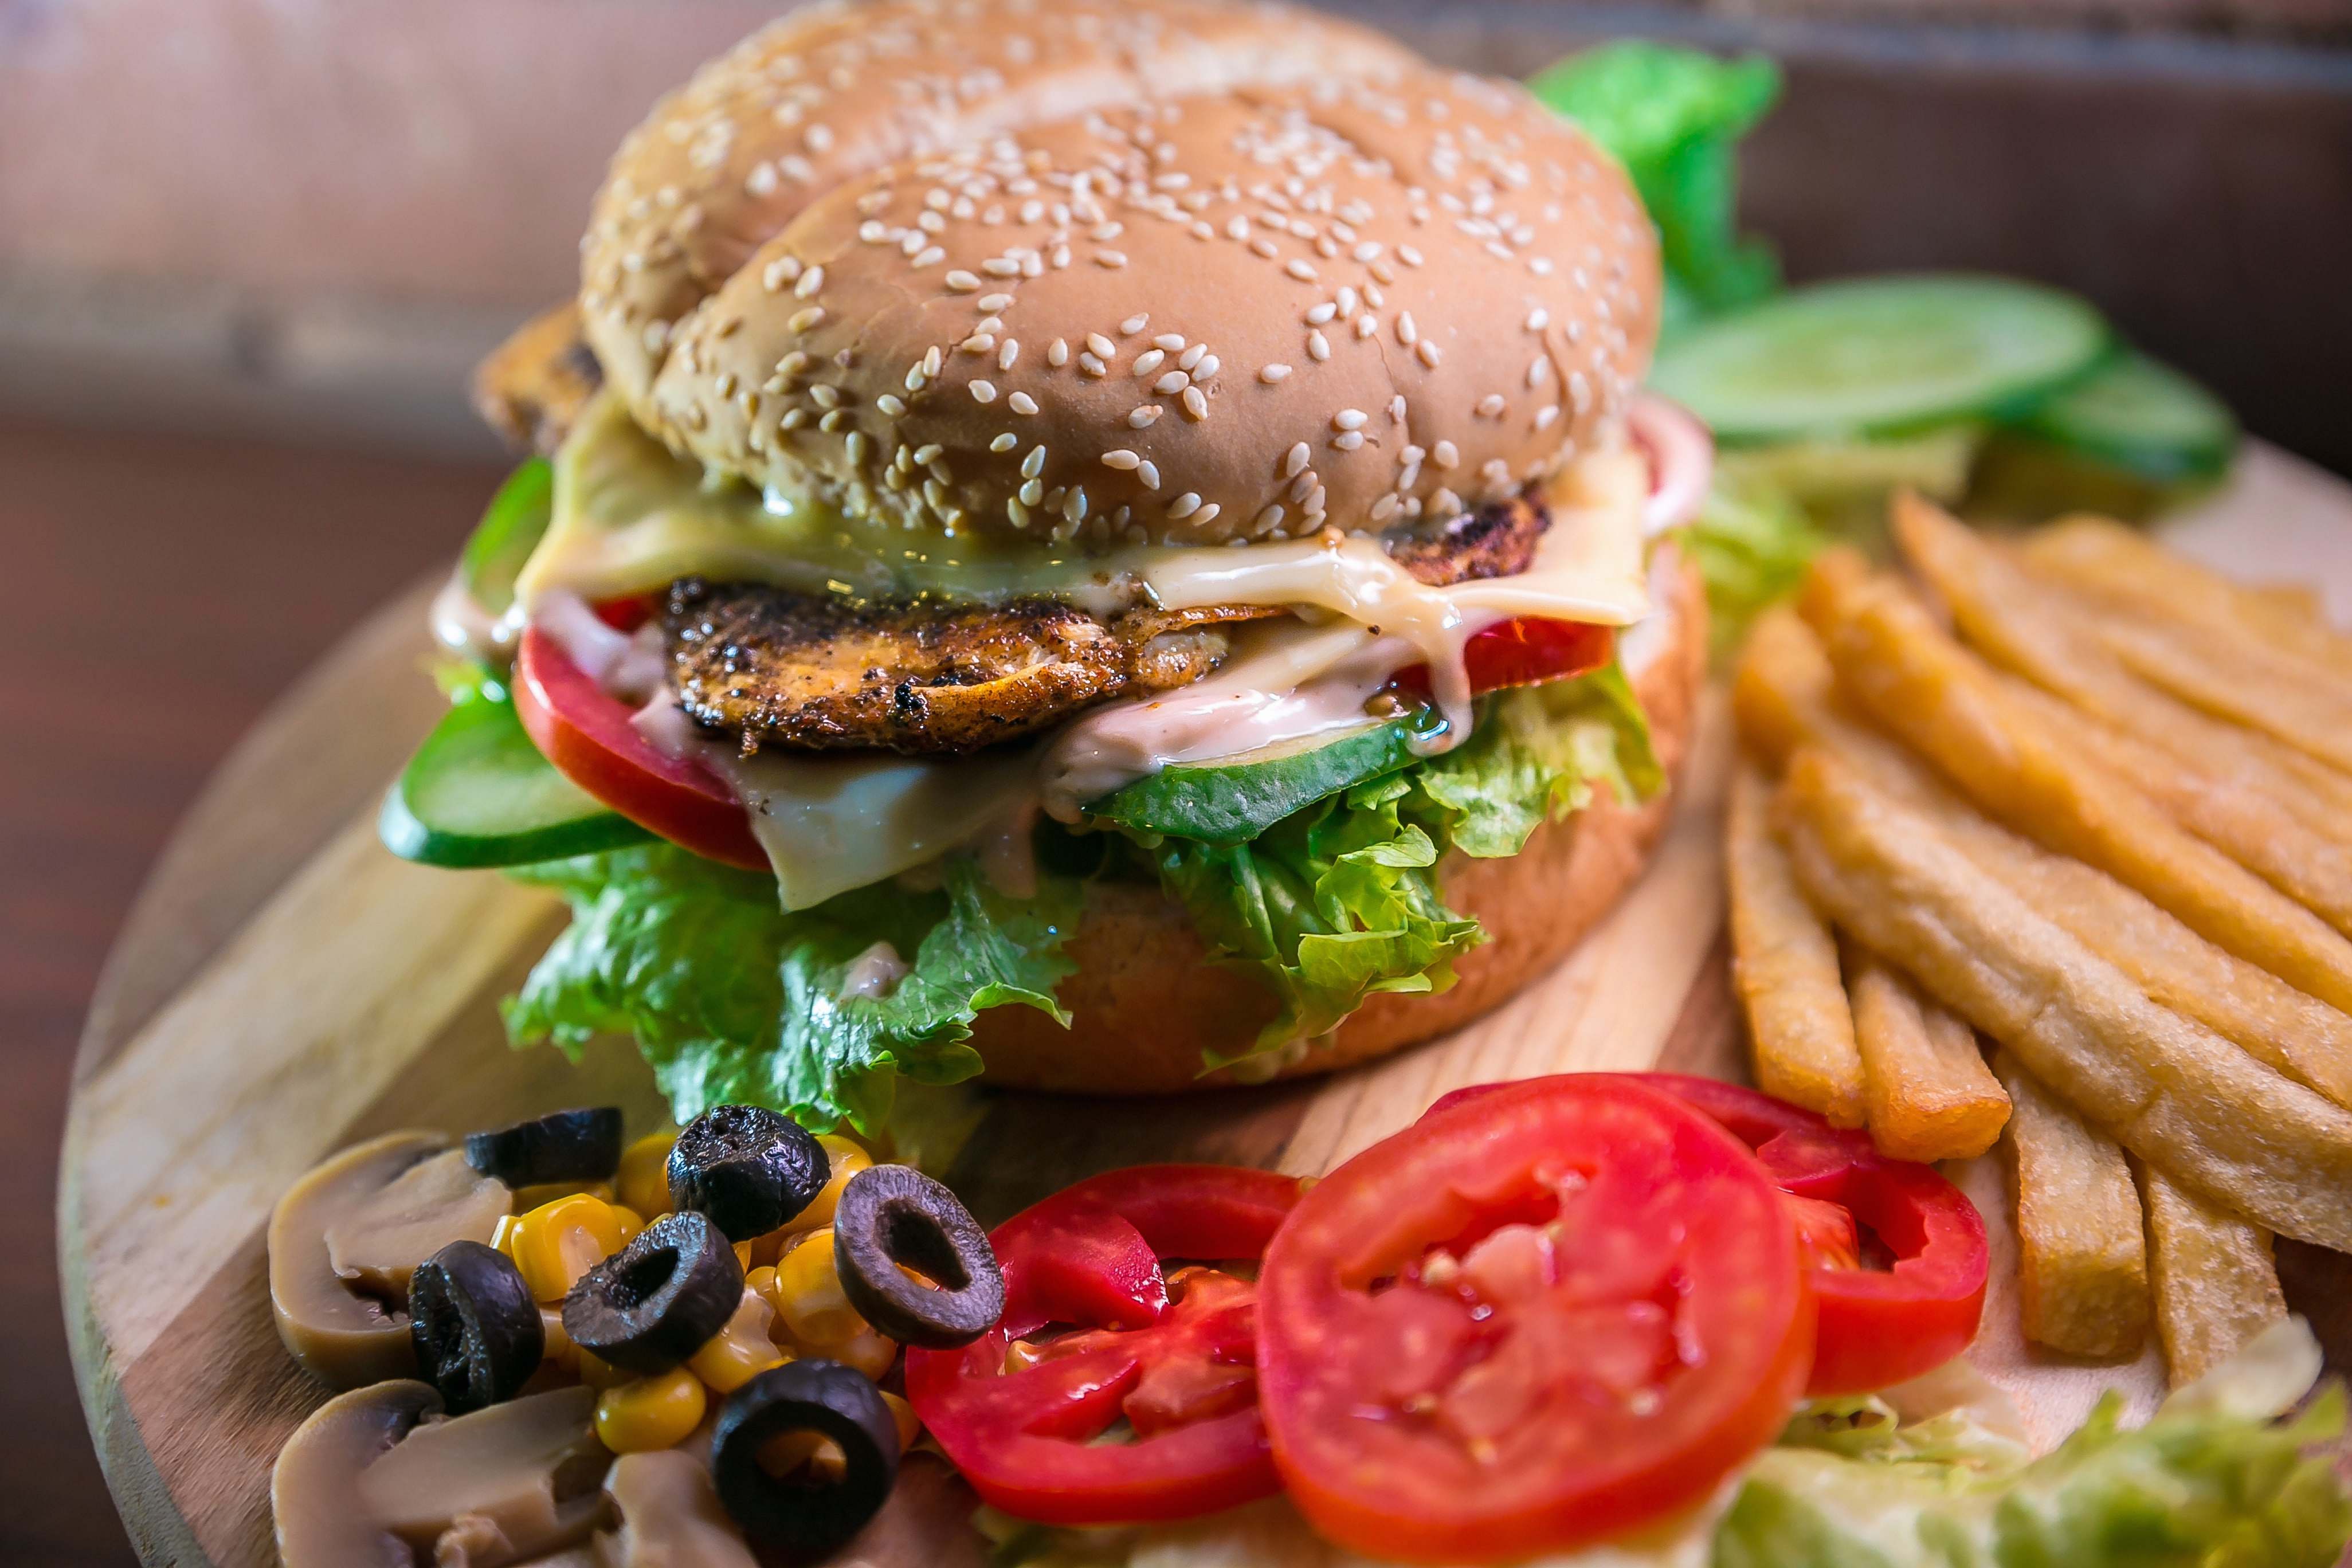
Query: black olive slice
x=782, y=1514
x=891, y=1215
x=750, y=1170
x=658, y=1300
x=581, y=1146
x=477, y=1331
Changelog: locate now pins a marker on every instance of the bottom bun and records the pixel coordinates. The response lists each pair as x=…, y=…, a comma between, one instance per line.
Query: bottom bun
x=1147, y=1001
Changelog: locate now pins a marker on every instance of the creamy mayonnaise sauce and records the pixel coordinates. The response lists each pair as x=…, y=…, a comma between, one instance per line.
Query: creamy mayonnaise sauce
x=874, y=973
x=463, y=626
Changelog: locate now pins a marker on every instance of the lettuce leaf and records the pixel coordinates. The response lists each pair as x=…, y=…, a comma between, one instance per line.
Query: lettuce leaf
x=733, y=1000
x=1673, y=118
x=1751, y=545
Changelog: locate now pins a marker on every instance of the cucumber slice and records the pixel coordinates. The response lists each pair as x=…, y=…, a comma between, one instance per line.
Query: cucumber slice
x=2143, y=416
x=478, y=793
x=1879, y=354
x=1233, y=800
x=511, y=527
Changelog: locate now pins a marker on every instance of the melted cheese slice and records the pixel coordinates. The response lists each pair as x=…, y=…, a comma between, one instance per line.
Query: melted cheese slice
x=630, y=518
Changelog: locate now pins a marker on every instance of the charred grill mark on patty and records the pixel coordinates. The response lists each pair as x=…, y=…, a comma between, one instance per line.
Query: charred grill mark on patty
x=533, y=385
x=773, y=667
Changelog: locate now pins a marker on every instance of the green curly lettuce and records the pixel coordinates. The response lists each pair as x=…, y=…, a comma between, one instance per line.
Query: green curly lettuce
x=1673, y=118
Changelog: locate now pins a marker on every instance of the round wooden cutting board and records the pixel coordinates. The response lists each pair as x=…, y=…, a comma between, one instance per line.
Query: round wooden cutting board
x=284, y=987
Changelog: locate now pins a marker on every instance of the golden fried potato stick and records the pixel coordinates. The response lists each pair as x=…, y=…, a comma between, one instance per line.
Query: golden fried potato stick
x=2105, y=560
x=2253, y=828
x=2174, y=1093
x=2248, y=686
x=2081, y=1255
x=2216, y=1282
x=1914, y=681
x=1784, y=965
x=1784, y=696
x=1927, y=1092
x=2042, y=631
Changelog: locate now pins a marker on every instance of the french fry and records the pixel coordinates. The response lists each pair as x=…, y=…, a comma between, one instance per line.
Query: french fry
x=2173, y=1093
x=2215, y=1281
x=1926, y=1091
x=1914, y=681
x=2251, y=827
x=2038, y=629
x=2247, y=685
x=2082, y=1255
x=1784, y=965
x=1784, y=699
x=2105, y=560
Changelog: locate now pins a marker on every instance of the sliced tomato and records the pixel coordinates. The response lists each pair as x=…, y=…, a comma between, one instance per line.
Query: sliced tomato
x=1526, y=651
x=1528, y=1323
x=586, y=733
x=1023, y=1414
x=1879, y=1327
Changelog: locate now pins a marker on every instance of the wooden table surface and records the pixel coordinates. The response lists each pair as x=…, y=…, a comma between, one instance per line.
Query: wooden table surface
x=162, y=590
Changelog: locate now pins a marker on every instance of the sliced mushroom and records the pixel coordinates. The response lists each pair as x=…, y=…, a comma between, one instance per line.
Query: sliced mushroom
x=670, y=1516
x=376, y=1477
x=345, y=1238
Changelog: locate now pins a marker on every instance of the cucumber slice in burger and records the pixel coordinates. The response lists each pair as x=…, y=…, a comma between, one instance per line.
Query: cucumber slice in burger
x=511, y=527
x=1234, y=799
x=2137, y=414
x=478, y=793
x=1880, y=355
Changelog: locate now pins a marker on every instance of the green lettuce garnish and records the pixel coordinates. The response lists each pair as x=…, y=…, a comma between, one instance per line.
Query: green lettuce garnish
x=734, y=1000
x=1674, y=117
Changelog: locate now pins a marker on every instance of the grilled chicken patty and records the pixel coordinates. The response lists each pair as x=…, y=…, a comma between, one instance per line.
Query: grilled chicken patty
x=772, y=667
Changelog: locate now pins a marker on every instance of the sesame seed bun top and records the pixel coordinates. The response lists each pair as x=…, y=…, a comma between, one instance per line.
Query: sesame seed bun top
x=1172, y=271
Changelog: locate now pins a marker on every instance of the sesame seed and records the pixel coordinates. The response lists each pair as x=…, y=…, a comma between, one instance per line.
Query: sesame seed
x=977, y=343
x=1191, y=357
x=832, y=421
x=1058, y=354
x=1348, y=440
x=1408, y=254
x=1396, y=408
x=1196, y=404
x=1318, y=347
x=1538, y=318
x=1104, y=348
x=962, y=282
x=1035, y=463
x=1016, y=512
x=1033, y=493
x=1367, y=251
x=930, y=256
x=1005, y=442
x=1185, y=505
x=1174, y=381
x=855, y=447
x=805, y=320
x=1210, y=364
x=1271, y=517
x=1001, y=267
x=1263, y=247
x=1148, y=360
x=811, y=283
x=1061, y=256
x=1299, y=266
x=1427, y=350
x=990, y=303
x=1297, y=458
x=1546, y=414
x=1445, y=503
x=1150, y=474
x=1322, y=313
x=1384, y=509
x=827, y=397
x=914, y=377
x=1271, y=373
x=1445, y=455
x=1092, y=364
x=1347, y=301
x=926, y=453
x=1367, y=324
x=1303, y=485
x=931, y=360
x=1021, y=403
x=1208, y=514
x=1169, y=341
x=1408, y=332
x=793, y=420
x=793, y=363
x=891, y=404
x=1111, y=258
x=1074, y=505
x=1121, y=459
x=983, y=392
x=1142, y=415
x=1133, y=325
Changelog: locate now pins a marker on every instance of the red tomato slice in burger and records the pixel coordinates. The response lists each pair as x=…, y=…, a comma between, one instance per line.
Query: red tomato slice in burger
x=585, y=731
x=1025, y=1415
x=1525, y=651
x=1878, y=1327
x=1529, y=1323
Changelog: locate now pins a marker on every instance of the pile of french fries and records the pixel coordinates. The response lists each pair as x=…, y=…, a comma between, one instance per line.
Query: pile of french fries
x=2092, y=804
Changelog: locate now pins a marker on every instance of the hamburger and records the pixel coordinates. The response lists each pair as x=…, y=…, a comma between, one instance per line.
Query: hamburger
x=1109, y=548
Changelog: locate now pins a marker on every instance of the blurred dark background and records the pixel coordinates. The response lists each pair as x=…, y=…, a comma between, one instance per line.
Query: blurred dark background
x=249, y=249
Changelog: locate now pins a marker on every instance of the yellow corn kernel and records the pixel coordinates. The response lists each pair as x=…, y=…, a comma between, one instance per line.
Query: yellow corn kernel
x=540, y=1194
x=597, y=1373
x=847, y=1159
x=786, y=1452
x=553, y=1244
x=740, y=1351
x=910, y=1425
x=809, y=1297
x=629, y=1221
x=650, y=1413
x=560, y=1351
x=643, y=1178
x=743, y=1255
x=870, y=1352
